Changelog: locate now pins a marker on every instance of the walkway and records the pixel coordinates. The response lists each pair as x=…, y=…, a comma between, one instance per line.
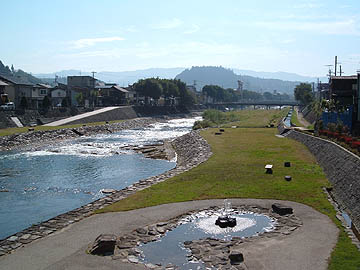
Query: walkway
x=80, y=116
x=301, y=118
x=308, y=247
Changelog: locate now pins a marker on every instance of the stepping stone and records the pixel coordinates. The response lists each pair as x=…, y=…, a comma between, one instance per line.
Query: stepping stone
x=281, y=209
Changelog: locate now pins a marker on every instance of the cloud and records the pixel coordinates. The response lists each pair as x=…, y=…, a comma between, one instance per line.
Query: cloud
x=194, y=28
x=88, y=42
x=171, y=24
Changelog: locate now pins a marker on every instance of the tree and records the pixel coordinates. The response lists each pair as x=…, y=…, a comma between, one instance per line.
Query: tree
x=12, y=69
x=79, y=98
x=23, y=103
x=65, y=102
x=46, y=103
x=303, y=93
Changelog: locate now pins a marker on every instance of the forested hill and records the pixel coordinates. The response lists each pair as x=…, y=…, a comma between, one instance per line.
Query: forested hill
x=226, y=78
x=19, y=75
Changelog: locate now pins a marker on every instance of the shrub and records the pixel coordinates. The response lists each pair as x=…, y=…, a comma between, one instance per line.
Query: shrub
x=202, y=124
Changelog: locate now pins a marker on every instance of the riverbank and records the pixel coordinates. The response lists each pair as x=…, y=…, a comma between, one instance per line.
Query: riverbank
x=191, y=150
x=236, y=170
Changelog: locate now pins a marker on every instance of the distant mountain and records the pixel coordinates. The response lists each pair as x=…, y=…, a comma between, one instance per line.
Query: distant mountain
x=122, y=78
x=285, y=76
x=226, y=78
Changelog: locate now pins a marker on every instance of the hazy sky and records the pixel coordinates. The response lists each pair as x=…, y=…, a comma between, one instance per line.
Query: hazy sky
x=300, y=36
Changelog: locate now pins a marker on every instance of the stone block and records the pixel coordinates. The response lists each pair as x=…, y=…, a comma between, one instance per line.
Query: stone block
x=103, y=245
x=236, y=257
x=281, y=209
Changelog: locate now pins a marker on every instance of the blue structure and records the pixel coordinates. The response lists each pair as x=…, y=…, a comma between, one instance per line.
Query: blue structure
x=334, y=117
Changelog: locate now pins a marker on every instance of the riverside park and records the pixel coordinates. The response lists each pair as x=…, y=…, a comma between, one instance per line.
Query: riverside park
x=223, y=159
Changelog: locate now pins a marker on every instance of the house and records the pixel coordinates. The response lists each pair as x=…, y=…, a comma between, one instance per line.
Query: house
x=113, y=94
x=3, y=96
x=39, y=92
x=82, y=89
x=343, y=89
x=16, y=90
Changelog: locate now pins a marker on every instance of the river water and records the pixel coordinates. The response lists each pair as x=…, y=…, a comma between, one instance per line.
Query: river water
x=55, y=179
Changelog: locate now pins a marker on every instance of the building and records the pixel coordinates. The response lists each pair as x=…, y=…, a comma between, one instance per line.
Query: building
x=82, y=89
x=112, y=94
x=16, y=90
x=39, y=92
x=343, y=89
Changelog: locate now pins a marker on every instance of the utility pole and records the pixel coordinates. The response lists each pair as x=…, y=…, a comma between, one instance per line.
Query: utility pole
x=335, y=64
x=93, y=75
x=341, y=72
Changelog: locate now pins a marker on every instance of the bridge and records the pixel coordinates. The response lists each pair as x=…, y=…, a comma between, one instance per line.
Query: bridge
x=265, y=103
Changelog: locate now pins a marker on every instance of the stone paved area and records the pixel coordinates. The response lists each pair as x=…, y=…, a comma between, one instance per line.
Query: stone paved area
x=307, y=247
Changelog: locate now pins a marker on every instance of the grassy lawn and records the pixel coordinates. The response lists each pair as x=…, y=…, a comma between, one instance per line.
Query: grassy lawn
x=11, y=131
x=236, y=170
x=257, y=118
x=294, y=119
x=242, y=118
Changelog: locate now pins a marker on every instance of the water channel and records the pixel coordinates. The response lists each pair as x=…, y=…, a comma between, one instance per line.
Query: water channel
x=58, y=178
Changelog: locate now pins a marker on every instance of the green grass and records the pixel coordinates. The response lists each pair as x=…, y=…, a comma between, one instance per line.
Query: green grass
x=236, y=170
x=294, y=119
x=243, y=118
x=12, y=131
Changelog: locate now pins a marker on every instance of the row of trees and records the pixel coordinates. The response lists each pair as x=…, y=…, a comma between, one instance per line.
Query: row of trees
x=155, y=88
x=219, y=94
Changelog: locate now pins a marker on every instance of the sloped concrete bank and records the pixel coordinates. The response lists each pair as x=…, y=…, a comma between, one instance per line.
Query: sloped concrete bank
x=191, y=149
x=341, y=167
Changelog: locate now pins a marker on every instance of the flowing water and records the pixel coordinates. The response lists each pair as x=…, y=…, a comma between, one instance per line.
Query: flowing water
x=58, y=178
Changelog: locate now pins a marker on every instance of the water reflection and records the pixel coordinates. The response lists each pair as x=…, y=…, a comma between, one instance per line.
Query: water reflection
x=59, y=178
x=170, y=248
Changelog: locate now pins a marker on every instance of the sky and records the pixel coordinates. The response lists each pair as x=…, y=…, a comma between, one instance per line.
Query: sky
x=299, y=36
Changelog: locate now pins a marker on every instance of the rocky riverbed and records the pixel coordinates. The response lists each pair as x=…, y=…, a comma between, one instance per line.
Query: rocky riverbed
x=33, y=139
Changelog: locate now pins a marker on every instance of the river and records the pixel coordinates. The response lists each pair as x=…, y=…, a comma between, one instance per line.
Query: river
x=58, y=178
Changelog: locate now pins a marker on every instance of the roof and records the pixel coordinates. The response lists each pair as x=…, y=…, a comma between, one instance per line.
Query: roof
x=116, y=87
x=3, y=83
x=43, y=85
x=352, y=77
x=14, y=80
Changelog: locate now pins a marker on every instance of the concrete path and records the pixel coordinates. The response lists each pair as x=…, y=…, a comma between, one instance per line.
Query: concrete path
x=80, y=116
x=308, y=247
x=301, y=118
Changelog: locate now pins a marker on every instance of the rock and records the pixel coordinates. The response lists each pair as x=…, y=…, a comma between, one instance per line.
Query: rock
x=281, y=209
x=141, y=230
x=236, y=257
x=12, y=238
x=161, y=230
x=104, y=245
x=25, y=236
x=133, y=259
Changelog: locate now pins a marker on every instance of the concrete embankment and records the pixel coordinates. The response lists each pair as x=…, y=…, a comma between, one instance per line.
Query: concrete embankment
x=121, y=113
x=341, y=167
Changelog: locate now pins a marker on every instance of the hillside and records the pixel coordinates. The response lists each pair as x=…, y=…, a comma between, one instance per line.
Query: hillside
x=226, y=78
x=19, y=75
x=122, y=78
